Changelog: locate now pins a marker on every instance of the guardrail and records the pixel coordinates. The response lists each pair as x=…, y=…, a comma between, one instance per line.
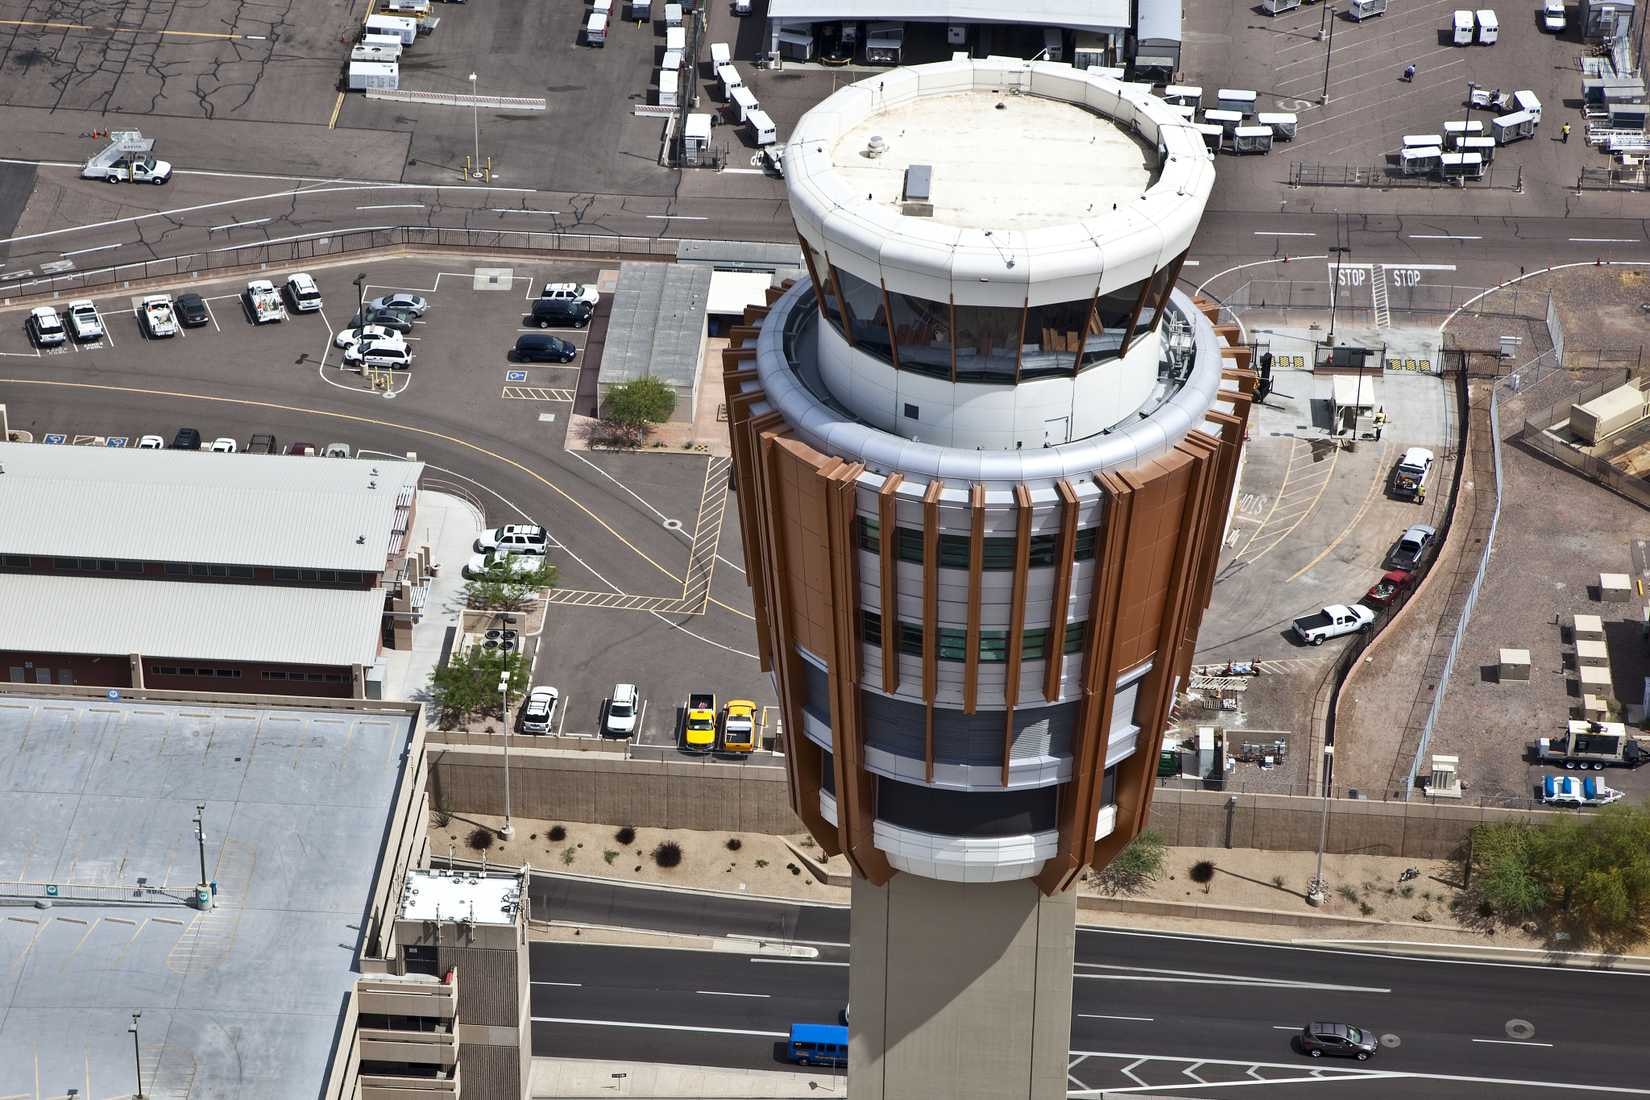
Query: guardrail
x=208, y=263
x=1302, y=174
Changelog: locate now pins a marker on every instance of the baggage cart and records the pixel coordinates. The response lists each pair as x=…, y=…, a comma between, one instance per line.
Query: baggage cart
x=1240, y=100
x=1282, y=123
x=1252, y=139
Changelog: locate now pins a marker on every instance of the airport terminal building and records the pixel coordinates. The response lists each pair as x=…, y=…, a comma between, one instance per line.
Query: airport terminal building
x=985, y=456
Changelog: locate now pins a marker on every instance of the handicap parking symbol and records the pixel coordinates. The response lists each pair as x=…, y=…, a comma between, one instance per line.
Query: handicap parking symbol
x=515, y=376
x=117, y=440
x=55, y=439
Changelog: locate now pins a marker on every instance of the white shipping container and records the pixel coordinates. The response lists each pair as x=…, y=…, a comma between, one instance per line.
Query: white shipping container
x=762, y=128
x=397, y=26
x=744, y=101
x=720, y=54
x=374, y=76
x=668, y=84
x=730, y=78
x=676, y=39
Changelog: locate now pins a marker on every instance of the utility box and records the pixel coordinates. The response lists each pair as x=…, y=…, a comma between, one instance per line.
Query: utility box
x=1515, y=665
x=1615, y=587
x=1446, y=777
x=1587, y=628
x=1592, y=652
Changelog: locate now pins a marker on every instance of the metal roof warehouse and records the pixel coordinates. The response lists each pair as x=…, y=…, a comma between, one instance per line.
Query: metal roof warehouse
x=195, y=506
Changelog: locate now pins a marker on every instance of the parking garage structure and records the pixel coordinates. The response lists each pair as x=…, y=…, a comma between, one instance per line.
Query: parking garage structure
x=984, y=455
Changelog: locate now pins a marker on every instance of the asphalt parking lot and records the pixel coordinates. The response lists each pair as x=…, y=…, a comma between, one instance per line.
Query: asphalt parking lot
x=639, y=601
x=1370, y=107
x=214, y=59
x=587, y=138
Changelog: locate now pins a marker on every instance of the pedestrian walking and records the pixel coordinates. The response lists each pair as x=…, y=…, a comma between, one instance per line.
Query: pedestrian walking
x=1409, y=73
x=1564, y=134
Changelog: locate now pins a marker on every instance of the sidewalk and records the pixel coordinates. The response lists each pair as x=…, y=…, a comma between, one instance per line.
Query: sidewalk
x=449, y=527
x=578, y=1077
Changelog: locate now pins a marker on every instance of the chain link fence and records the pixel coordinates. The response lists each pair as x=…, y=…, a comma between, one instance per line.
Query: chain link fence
x=204, y=264
x=1301, y=174
x=1537, y=435
x=1316, y=295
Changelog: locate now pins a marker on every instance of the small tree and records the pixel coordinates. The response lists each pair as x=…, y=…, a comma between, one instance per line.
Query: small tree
x=612, y=433
x=643, y=401
x=1136, y=866
x=468, y=683
x=501, y=588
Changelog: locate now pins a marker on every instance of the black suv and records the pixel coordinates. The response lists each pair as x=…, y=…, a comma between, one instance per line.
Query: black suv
x=1338, y=1040
x=557, y=313
x=537, y=347
x=262, y=444
x=187, y=439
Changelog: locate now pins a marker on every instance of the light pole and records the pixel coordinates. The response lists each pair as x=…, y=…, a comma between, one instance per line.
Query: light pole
x=203, y=893
x=137, y=1055
x=1317, y=892
x=1329, y=14
x=1339, y=251
x=504, y=695
x=475, y=118
x=361, y=297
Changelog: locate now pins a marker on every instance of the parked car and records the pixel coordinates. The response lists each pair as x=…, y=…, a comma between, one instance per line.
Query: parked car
x=1333, y=621
x=262, y=444
x=151, y=443
x=556, y=313
x=223, y=445
x=1409, y=477
x=159, y=320
x=539, y=711
x=302, y=292
x=192, y=311
x=1569, y=790
x=84, y=320
x=1385, y=590
x=1338, y=1040
x=335, y=450
x=1553, y=19
x=349, y=337
x=739, y=726
x=300, y=448
x=622, y=705
x=1411, y=547
x=518, y=538
x=398, y=319
x=572, y=292
x=187, y=439
x=379, y=354
x=45, y=327
x=538, y=347
x=410, y=303
x=512, y=564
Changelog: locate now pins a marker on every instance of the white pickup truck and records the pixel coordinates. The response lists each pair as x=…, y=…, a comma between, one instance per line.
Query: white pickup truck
x=263, y=302
x=1333, y=621
x=158, y=319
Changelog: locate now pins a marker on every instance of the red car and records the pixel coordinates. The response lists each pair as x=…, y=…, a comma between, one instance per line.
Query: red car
x=1387, y=588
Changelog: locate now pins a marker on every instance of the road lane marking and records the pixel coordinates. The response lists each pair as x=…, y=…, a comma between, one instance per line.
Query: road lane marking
x=337, y=107
x=395, y=206
x=676, y=217
x=518, y=210
x=1512, y=1043
x=1199, y=977
x=99, y=248
x=720, y=993
x=663, y=1027
x=1443, y=237
x=1102, y=1016
x=795, y=962
x=566, y=985
x=237, y=225
x=1604, y=240
x=1281, y=233
x=53, y=25
x=1286, y=1027
x=1369, y=498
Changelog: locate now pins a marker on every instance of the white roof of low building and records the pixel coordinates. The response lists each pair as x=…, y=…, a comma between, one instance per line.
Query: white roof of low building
x=194, y=506
x=188, y=619
x=439, y=895
x=1095, y=15
x=732, y=291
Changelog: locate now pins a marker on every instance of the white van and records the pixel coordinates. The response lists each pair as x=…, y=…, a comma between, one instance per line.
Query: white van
x=1489, y=27
x=595, y=31
x=620, y=719
x=400, y=27
x=1464, y=27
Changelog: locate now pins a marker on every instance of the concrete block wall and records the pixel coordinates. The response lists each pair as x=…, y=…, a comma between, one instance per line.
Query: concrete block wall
x=578, y=786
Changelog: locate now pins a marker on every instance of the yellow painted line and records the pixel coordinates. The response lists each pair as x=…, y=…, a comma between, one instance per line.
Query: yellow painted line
x=1333, y=458
x=1287, y=470
x=336, y=108
x=1369, y=498
x=377, y=423
x=52, y=25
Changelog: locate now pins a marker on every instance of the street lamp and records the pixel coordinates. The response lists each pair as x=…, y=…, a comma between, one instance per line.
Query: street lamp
x=137, y=1055
x=1329, y=14
x=1339, y=251
x=203, y=893
x=504, y=695
x=1317, y=891
x=475, y=117
x=361, y=297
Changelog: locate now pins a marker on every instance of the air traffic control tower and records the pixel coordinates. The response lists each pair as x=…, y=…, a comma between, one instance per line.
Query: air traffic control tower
x=984, y=458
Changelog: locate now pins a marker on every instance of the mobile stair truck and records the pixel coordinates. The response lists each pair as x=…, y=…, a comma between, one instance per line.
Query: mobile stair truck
x=128, y=156
x=263, y=302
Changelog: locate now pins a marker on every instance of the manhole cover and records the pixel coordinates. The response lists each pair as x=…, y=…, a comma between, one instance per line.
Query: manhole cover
x=673, y=525
x=1390, y=1040
x=1520, y=1029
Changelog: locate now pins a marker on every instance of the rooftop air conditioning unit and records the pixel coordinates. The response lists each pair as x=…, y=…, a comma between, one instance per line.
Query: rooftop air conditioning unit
x=876, y=146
